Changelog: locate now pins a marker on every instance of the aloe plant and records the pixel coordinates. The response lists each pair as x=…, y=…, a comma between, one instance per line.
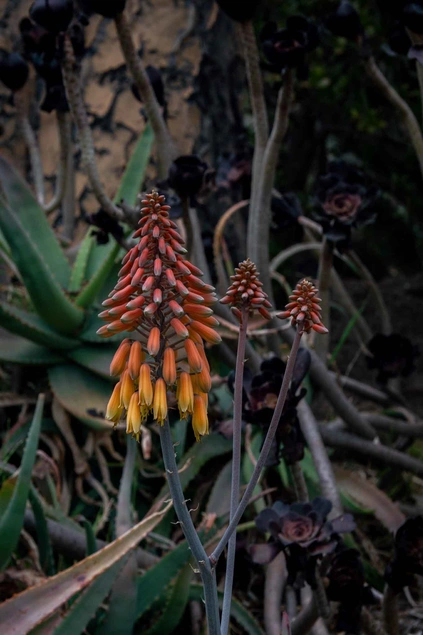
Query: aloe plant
x=57, y=326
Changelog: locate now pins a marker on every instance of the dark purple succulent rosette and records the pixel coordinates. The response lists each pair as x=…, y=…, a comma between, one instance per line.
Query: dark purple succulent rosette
x=303, y=533
x=105, y=226
x=288, y=47
x=408, y=557
x=239, y=11
x=392, y=356
x=343, y=199
x=286, y=210
x=187, y=175
x=345, y=21
x=54, y=16
x=13, y=70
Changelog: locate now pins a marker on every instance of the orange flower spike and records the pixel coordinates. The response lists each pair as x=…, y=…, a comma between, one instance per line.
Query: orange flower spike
x=245, y=292
x=135, y=358
x=114, y=407
x=160, y=401
x=185, y=395
x=193, y=356
x=133, y=416
x=303, y=308
x=145, y=386
x=127, y=388
x=153, y=342
x=120, y=358
x=169, y=366
x=200, y=422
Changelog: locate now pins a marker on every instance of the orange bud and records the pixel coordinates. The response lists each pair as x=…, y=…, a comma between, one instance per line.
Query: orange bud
x=200, y=422
x=116, y=311
x=160, y=401
x=103, y=331
x=204, y=380
x=194, y=359
x=145, y=385
x=169, y=366
x=153, y=343
x=179, y=328
x=127, y=389
x=135, y=360
x=133, y=416
x=131, y=316
x=196, y=310
x=114, y=408
x=208, y=334
x=120, y=357
x=185, y=395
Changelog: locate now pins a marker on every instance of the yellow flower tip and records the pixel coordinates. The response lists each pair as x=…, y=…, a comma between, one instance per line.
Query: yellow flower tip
x=153, y=343
x=120, y=358
x=114, y=407
x=160, y=401
x=133, y=417
x=145, y=386
x=127, y=388
x=134, y=362
x=169, y=366
x=185, y=395
x=200, y=421
x=193, y=356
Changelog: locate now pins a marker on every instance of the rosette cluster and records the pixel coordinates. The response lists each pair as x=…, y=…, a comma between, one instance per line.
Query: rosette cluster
x=304, y=309
x=246, y=291
x=162, y=300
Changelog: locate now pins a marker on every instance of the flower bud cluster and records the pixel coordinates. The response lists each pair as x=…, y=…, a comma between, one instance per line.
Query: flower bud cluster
x=161, y=299
x=303, y=308
x=246, y=292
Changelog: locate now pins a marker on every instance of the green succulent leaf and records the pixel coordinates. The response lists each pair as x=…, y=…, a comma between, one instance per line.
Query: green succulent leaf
x=175, y=605
x=32, y=327
x=81, y=261
x=134, y=175
x=95, y=357
x=49, y=299
x=12, y=518
x=121, y=616
x=43, y=538
x=32, y=217
x=19, y=350
x=89, y=334
x=81, y=393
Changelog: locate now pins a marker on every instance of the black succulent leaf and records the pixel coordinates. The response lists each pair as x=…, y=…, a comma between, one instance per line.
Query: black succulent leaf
x=156, y=81
x=286, y=210
x=303, y=532
x=345, y=21
x=239, y=11
x=408, y=557
x=13, y=70
x=106, y=225
x=399, y=40
x=412, y=17
x=53, y=15
x=106, y=8
x=343, y=199
x=288, y=47
x=187, y=175
x=392, y=356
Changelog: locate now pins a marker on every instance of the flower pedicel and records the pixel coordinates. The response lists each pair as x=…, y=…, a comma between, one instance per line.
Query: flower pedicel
x=162, y=300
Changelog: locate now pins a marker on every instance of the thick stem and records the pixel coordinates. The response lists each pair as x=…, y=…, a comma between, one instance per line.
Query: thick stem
x=305, y=620
x=310, y=430
x=300, y=486
x=185, y=520
x=323, y=284
x=66, y=154
x=390, y=612
x=69, y=202
x=405, y=113
x=164, y=143
x=264, y=451
x=276, y=576
x=236, y=468
x=34, y=158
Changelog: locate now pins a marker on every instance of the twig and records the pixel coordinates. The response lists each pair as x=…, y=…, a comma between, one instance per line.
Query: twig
x=368, y=451
x=236, y=467
x=363, y=390
x=264, y=451
x=222, y=281
x=275, y=580
x=310, y=430
x=323, y=284
x=390, y=612
x=404, y=111
x=66, y=154
x=184, y=517
x=164, y=143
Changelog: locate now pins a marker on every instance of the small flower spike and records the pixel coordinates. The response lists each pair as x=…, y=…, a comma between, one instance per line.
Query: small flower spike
x=303, y=308
x=161, y=298
x=246, y=292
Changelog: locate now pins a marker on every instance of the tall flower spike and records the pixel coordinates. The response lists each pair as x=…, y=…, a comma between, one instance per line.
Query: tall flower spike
x=303, y=308
x=161, y=298
x=246, y=292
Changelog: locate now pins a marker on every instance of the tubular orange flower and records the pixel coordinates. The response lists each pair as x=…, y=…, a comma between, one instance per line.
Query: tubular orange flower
x=114, y=407
x=303, y=308
x=200, y=422
x=133, y=416
x=160, y=296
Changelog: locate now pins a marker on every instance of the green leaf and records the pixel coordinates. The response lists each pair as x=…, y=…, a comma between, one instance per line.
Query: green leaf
x=18, y=350
x=26, y=610
x=81, y=393
x=21, y=200
x=344, y=336
x=89, y=293
x=80, y=265
x=46, y=294
x=90, y=536
x=43, y=538
x=122, y=614
x=85, y=607
x=175, y=606
x=11, y=522
x=95, y=357
x=32, y=327
x=238, y=612
x=151, y=585
x=134, y=174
